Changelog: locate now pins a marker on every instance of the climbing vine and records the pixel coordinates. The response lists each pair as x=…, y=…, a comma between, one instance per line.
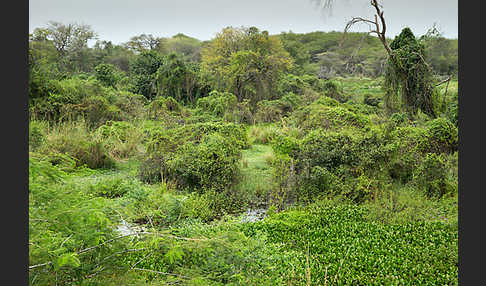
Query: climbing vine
x=408, y=79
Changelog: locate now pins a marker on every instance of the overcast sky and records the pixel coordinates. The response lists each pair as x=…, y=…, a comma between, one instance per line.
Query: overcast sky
x=118, y=20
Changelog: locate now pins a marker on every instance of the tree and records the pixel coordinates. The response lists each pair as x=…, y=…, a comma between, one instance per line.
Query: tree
x=71, y=43
x=188, y=47
x=407, y=72
x=409, y=75
x=245, y=62
x=43, y=63
x=106, y=74
x=170, y=77
x=143, y=70
x=143, y=42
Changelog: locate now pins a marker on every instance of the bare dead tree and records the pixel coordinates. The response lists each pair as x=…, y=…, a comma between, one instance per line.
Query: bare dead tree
x=377, y=27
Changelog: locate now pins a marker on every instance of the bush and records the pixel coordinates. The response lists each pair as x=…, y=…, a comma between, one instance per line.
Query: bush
x=36, y=134
x=274, y=110
x=112, y=188
x=318, y=115
x=433, y=176
x=443, y=135
x=211, y=164
x=371, y=100
x=333, y=90
x=285, y=145
x=345, y=163
x=162, y=141
x=217, y=103
x=120, y=138
x=70, y=99
x=106, y=74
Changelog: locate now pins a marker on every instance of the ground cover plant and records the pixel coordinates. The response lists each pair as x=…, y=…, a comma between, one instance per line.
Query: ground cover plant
x=250, y=159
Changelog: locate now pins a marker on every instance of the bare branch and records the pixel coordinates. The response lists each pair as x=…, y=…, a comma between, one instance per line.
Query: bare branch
x=39, y=265
x=444, y=81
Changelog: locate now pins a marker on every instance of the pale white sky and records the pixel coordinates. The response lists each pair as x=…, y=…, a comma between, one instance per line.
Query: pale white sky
x=118, y=20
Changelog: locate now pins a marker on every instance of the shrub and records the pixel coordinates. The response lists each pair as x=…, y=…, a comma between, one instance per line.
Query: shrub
x=433, y=176
x=36, y=134
x=162, y=141
x=285, y=145
x=319, y=181
x=318, y=115
x=120, y=138
x=106, y=74
x=333, y=90
x=211, y=164
x=113, y=187
x=371, y=100
x=72, y=98
x=98, y=110
x=217, y=103
x=274, y=110
x=443, y=135
x=336, y=163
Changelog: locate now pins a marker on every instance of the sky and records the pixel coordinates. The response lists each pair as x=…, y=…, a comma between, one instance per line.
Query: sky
x=119, y=20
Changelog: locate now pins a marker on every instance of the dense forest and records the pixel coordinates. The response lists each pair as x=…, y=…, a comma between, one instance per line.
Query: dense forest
x=248, y=159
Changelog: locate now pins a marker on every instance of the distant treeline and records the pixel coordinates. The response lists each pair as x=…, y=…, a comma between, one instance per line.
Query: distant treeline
x=247, y=62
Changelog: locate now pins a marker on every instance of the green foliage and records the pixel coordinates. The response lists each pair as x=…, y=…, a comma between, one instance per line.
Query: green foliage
x=217, y=103
x=245, y=62
x=333, y=90
x=163, y=107
x=274, y=110
x=340, y=242
x=106, y=74
x=371, y=100
x=36, y=134
x=143, y=70
x=262, y=134
x=120, y=138
x=285, y=145
x=173, y=79
x=336, y=163
x=327, y=114
x=441, y=52
x=167, y=140
x=76, y=141
x=353, y=195
x=72, y=98
x=63, y=224
x=452, y=112
x=211, y=164
x=433, y=176
x=408, y=75
x=443, y=136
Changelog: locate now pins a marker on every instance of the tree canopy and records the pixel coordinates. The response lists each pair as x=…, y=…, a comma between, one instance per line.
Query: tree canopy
x=245, y=62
